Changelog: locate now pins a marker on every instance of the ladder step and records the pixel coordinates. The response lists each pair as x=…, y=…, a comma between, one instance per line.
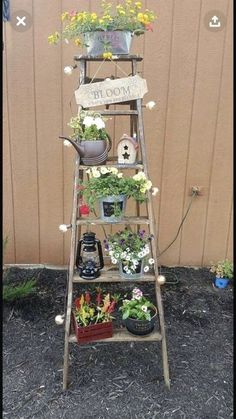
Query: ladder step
x=122, y=335
x=119, y=58
x=125, y=220
x=117, y=165
x=109, y=274
x=118, y=112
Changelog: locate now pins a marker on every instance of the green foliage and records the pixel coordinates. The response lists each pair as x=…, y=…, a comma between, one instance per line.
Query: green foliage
x=88, y=125
x=89, y=312
x=126, y=16
x=15, y=292
x=139, y=307
x=129, y=248
x=223, y=269
x=104, y=181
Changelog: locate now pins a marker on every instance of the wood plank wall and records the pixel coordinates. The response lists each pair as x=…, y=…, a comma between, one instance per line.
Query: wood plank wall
x=188, y=135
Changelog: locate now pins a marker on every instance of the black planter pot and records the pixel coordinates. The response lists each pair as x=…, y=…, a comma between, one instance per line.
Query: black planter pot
x=140, y=327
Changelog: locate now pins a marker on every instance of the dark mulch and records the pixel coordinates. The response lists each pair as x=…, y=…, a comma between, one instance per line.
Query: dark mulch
x=121, y=380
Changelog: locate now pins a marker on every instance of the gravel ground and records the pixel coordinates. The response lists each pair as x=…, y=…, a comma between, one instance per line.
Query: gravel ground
x=120, y=380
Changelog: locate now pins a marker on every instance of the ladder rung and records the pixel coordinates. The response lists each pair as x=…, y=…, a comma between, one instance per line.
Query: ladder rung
x=122, y=335
x=112, y=275
x=117, y=165
x=119, y=58
x=125, y=220
x=118, y=112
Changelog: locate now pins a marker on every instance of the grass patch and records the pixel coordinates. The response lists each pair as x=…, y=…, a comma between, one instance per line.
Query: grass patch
x=15, y=292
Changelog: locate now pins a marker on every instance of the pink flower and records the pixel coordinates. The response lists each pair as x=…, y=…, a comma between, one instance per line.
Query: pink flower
x=149, y=27
x=72, y=13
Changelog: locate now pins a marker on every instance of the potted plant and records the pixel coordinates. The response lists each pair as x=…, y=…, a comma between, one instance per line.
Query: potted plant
x=223, y=271
x=92, y=320
x=107, y=33
x=111, y=189
x=139, y=314
x=89, y=137
x=130, y=250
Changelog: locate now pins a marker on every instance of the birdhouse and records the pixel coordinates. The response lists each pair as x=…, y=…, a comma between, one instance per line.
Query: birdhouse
x=127, y=150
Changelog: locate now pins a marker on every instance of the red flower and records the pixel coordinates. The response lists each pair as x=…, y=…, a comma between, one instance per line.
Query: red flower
x=87, y=297
x=77, y=303
x=149, y=27
x=84, y=209
x=99, y=299
x=112, y=307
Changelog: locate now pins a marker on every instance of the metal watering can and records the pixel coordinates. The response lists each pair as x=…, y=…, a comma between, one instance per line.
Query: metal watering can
x=91, y=152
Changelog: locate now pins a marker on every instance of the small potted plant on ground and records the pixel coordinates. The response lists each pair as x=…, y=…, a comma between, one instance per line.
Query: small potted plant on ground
x=111, y=189
x=107, y=33
x=89, y=137
x=92, y=320
x=139, y=314
x=130, y=250
x=223, y=271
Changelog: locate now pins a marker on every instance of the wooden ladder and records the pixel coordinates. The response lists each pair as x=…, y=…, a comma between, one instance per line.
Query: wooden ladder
x=136, y=125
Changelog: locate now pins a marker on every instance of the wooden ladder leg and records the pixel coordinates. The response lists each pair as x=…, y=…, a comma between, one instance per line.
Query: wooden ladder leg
x=153, y=230
x=70, y=276
x=163, y=341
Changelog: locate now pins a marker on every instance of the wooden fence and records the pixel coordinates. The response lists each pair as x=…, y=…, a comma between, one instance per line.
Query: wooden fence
x=188, y=69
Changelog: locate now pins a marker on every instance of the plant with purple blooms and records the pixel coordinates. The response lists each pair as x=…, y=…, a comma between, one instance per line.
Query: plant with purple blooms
x=129, y=248
x=138, y=307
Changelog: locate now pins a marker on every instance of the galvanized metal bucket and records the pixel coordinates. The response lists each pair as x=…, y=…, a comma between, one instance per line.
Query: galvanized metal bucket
x=119, y=42
x=136, y=275
x=107, y=206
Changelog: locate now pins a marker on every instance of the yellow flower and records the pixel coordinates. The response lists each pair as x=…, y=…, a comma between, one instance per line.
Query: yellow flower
x=78, y=42
x=94, y=16
x=121, y=12
x=54, y=38
x=138, y=4
x=107, y=55
x=140, y=17
x=64, y=16
x=101, y=20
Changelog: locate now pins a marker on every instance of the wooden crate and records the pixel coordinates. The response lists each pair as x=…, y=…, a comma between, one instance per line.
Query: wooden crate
x=92, y=332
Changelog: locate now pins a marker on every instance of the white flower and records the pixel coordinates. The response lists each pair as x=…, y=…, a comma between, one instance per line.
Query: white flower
x=116, y=255
x=146, y=268
x=128, y=257
x=99, y=123
x=123, y=255
x=104, y=170
x=155, y=191
x=63, y=228
x=114, y=170
x=120, y=175
x=66, y=41
x=67, y=143
x=139, y=176
x=135, y=262
x=144, y=308
x=111, y=252
x=128, y=249
x=140, y=255
x=150, y=105
x=151, y=261
x=68, y=70
x=148, y=184
x=125, y=268
x=88, y=121
x=128, y=271
x=114, y=261
x=96, y=174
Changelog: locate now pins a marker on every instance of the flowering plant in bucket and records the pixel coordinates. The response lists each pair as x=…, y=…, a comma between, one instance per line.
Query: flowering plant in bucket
x=107, y=181
x=128, y=16
x=138, y=307
x=129, y=248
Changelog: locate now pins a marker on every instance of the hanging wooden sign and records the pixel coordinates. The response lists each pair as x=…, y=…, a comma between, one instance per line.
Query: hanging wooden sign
x=111, y=91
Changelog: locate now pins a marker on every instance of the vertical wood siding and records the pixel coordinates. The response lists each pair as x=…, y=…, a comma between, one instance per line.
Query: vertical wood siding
x=188, y=135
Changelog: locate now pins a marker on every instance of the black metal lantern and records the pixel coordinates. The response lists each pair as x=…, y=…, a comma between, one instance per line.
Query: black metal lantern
x=89, y=259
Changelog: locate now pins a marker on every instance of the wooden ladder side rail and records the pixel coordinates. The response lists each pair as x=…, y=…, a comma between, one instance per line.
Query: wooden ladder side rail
x=75, y=229
x=152, y=227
